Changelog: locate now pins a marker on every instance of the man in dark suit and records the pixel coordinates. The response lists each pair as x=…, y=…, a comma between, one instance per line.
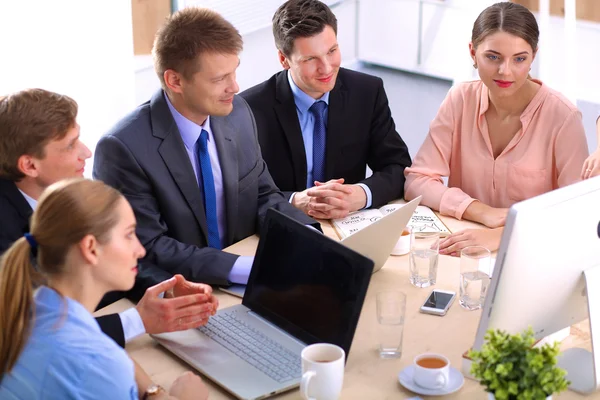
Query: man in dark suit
x=320, y=125
x=39, y=145
x=188, y=160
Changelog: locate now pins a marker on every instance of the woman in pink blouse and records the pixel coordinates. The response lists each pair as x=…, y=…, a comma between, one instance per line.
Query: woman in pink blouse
x=499, y=140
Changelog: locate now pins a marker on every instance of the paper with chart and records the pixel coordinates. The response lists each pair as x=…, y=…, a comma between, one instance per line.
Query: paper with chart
x=423, y=220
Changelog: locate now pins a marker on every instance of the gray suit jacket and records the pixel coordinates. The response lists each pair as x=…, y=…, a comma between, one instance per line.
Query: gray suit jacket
x=144, y=157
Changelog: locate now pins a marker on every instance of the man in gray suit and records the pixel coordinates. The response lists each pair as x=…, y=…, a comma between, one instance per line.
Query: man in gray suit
x=188, y=160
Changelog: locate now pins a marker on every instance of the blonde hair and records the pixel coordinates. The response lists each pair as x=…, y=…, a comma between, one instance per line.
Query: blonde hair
x=67, y=211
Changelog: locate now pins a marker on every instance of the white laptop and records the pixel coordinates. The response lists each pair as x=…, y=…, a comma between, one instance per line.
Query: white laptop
x=375, y=241
x=304, y=288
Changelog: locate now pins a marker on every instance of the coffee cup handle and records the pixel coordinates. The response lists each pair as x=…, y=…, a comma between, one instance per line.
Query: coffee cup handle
x=306, y=377
x=440, y=380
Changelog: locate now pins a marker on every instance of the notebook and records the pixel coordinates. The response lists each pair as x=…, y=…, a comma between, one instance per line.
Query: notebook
x=304, y=288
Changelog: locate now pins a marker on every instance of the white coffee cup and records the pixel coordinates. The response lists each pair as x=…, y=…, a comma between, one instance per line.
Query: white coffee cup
x=431, y=371
x=322, y=371
x=402, y=247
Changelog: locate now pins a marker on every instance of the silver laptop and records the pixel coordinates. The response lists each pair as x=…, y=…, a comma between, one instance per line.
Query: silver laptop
x=304, y=288
x=235, y=289
x=376, y=241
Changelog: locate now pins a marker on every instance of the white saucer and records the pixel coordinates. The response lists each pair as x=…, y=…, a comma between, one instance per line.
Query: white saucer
x=406, y=379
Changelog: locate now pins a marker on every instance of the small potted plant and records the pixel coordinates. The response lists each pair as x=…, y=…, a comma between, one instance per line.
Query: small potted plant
x=510, y=367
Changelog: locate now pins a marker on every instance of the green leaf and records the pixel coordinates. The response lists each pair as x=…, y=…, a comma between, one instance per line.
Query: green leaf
x=510, y=368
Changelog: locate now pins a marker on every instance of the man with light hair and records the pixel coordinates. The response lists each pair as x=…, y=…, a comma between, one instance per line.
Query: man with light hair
x=188, y=160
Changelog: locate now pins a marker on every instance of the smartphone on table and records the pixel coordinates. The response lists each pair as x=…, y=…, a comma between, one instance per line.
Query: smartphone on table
x=438, y=302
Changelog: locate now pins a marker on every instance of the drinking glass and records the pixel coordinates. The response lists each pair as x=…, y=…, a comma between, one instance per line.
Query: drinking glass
x=474, y=279
x=391, y=309
x=424, y=254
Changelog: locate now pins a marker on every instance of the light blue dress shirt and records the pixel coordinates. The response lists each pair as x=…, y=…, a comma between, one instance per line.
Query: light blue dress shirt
x=132, y=323
x=307, y=126
x=190, y=132
x=68, y=357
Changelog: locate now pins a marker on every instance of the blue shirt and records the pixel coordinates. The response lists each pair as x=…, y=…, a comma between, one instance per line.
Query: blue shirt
x=307, y=126
x=68, y=357
x=190, y=132
x=307, y=123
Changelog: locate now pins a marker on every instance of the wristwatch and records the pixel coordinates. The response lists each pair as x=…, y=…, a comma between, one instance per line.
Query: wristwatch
x=151, y=391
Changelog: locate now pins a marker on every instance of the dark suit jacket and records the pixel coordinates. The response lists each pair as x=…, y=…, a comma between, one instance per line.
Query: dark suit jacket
x=15, y=213
x=144, y=157
x=360, y=132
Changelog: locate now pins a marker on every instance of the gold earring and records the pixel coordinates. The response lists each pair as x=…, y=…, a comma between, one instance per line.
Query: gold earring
x=475, y=65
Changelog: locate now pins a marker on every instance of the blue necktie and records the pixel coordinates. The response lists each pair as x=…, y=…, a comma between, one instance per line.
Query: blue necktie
x=210, y=196
x=318, y=110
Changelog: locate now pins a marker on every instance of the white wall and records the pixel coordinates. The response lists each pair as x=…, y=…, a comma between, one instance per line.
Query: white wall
x=423, y=36
x=84, y=49
x=431, y=37
x=79, y=48
x=259, y=58
x=587, y=58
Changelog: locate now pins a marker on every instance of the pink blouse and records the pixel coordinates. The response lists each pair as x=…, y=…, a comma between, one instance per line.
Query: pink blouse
x=546, y=153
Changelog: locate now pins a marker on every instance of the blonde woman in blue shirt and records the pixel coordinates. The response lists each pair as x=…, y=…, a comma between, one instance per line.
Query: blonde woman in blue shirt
x=84, y=245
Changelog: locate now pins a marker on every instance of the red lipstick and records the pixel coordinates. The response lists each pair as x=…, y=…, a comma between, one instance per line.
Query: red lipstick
x=503, y=84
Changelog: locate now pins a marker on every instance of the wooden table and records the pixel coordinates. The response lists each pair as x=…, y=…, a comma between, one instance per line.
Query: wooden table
x=367, y=376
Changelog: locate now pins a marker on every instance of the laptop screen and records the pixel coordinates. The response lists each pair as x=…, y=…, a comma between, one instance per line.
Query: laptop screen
x=307, y=284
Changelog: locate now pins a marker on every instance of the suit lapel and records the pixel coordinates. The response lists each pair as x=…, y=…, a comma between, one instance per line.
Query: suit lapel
x=172, y=150
x=335, y=126
x=288, y=118
x=228, y=159
x=12, y=194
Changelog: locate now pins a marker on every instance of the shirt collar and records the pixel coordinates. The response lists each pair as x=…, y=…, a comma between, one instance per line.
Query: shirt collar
x=302, y=100
x=484, y=101
x=189, y=130
x=52, y=302
x=32, y=202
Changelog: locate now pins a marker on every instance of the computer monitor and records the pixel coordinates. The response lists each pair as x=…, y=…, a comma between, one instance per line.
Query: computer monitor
x=538, y=280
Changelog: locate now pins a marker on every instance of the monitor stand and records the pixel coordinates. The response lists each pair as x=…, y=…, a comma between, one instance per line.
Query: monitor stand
x=583, y=366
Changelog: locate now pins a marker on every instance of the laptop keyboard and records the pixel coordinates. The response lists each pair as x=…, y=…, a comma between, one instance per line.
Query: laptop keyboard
x=253, y=347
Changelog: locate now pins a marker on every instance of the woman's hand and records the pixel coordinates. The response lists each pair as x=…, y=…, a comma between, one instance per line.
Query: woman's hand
x=485, y=215
x=591, y=166
x=488, y=238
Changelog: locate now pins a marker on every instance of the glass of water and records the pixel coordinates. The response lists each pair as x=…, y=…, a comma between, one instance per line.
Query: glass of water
x=424, y=253
x=391, y=307
x=474, y=279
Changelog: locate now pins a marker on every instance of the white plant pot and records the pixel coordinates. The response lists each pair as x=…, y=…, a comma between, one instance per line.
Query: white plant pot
x=492, y=397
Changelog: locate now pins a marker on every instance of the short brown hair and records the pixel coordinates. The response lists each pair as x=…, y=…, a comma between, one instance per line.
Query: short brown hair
x=506, y=17
x=29, y=120
x=187, y=34
x=300, y=18
x=67, y=211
